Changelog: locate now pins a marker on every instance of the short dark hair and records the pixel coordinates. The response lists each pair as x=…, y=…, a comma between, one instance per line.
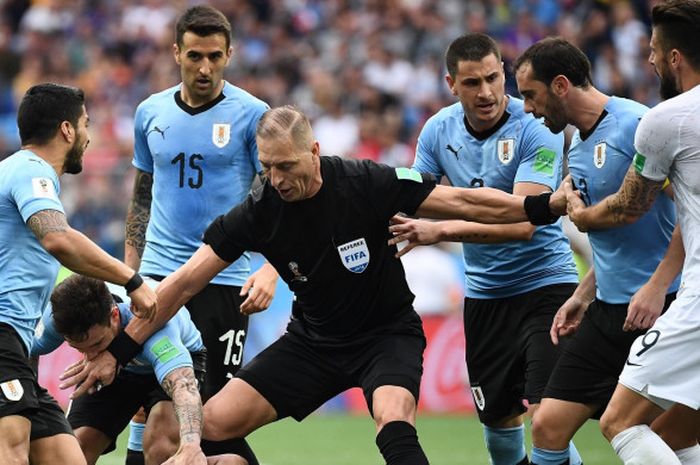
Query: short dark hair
x=286, y=120
x=78, y=303
x=470, y=47
x=204, y=21
x=555, y=56
x=44, y=107
x=677, y=25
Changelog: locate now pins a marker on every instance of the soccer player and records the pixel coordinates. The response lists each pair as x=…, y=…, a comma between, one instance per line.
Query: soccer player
x=662, y=367
x=34, y=239
x=195, y=157
x=517, y=276
x=554, y=78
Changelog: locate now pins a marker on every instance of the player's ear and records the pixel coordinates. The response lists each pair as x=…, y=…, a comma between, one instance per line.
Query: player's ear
x=176, y=53
x=560, y=85
x=450, y=83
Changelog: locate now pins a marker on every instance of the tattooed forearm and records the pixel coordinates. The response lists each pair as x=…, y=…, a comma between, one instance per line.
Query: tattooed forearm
x=139, y=211
x=47, y=221
x=181, y=385
x=634, y=199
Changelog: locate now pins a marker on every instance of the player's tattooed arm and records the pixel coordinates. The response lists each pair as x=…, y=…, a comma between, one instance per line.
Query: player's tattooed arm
x=137, y=217
x=44, y=222
x=633, y=199
x=181, y=385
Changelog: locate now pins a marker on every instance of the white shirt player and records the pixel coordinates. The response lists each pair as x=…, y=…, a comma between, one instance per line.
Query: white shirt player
x=663, y=364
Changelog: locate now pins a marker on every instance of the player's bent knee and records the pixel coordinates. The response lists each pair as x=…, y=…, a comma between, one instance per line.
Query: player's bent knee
x=393, y=403
x=14, y=440
x=545, y=435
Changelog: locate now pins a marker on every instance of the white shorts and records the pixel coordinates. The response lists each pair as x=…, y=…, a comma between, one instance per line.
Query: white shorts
x=664, y=364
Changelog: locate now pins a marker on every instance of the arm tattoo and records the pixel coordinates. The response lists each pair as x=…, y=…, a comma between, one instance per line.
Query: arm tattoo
x=139, y=211
x=635, y=197
x=181, y=385
x=47, y=221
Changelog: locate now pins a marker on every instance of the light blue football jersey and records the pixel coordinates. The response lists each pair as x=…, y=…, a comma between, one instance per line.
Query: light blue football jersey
x=520, y=150
x=625, y=257
x=203, y=161
x=167, y=349
x=28, y=184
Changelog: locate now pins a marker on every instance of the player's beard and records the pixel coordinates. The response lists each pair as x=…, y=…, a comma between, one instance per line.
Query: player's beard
x=668, y=88
x=73, y=164
x=555, y=113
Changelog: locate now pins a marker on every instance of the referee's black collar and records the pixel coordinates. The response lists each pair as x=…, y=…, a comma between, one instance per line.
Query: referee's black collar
x=197, y=110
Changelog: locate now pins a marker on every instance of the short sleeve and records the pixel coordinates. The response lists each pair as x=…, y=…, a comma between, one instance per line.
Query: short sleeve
x=143, y=160
x=426, y=160
x=36, y=188
x=398, y=189
x=656, y=142
x=165, y=350
x=46, y=338
x=541, y=154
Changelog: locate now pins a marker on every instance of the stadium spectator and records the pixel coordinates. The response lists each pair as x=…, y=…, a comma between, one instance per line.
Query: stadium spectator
x=554, y=78
x=35, y=239
x=195, y=157
x=517, y=276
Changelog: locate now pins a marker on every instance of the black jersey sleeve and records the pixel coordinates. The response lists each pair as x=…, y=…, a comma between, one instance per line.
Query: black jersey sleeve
x=230, y=235
x=398, y=189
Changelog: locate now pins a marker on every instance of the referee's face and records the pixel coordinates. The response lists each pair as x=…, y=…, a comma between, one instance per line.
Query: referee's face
x=202, y=61
x=294, y=170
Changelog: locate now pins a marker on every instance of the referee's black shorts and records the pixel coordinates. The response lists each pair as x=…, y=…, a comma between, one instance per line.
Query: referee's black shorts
x=591, y=362
x=20, y=393
x=509, y=352
x=297, y=377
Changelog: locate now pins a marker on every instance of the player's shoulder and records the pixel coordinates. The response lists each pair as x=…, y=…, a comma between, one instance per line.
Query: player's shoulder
x=243, y=98
x=518, y=116
x=626, y=115
x=25, y=163
x=156, y=101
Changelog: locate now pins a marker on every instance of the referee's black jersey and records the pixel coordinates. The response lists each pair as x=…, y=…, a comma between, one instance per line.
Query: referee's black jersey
x=331, y=249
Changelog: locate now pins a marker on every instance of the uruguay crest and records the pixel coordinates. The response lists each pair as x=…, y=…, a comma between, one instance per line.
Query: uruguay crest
x=506, y=150
x=221, y=133
x=13, y=390
x=354, y=255
x=599, y=155
x=479, y=399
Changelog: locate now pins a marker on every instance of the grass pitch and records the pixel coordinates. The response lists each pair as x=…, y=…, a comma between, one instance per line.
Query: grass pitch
x=349, y=440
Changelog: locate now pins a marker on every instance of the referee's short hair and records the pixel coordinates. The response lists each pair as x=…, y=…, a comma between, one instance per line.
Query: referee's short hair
x=286, y=121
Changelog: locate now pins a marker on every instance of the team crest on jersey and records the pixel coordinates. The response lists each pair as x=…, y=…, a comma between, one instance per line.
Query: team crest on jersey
x=599, y=154
x=354, y=255
x=506, y=150
x=221, y=133
x=13, y=390
x=479, y=399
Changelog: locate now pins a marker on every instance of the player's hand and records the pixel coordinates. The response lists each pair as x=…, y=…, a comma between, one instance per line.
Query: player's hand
x=568, y=318
x=144, y=303
x=557, y=201
x=187, y=454
x=260, y=289
x=644, y=308
x=574, y=205
x=416, y=232
x=90, y=375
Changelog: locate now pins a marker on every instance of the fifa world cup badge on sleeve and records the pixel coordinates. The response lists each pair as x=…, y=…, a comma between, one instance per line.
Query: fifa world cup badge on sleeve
x=354, y=255
x=12, y=390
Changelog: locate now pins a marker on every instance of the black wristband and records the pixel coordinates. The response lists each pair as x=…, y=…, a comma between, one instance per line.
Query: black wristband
x=538, y=211
x=133, y=283
x=123, y=348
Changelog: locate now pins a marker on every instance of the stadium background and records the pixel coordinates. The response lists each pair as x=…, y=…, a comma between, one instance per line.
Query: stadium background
x=367, y=72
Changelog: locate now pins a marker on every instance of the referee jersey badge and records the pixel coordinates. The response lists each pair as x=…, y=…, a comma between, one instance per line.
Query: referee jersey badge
x=354, y=255
x=506, y=150
x=221, y=134
x=298, y=277
x=13, y=390
x=599, y=154
x=479, y=399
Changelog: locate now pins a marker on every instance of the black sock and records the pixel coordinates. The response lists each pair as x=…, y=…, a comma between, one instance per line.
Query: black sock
x=134, y=457
x=398, y=443
x=230, y=446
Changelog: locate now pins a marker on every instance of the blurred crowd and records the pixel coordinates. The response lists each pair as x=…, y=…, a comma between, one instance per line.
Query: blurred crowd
x=368, y=72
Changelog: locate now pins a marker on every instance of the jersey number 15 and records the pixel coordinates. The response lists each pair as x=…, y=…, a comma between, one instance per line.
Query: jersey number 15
x=183, y=162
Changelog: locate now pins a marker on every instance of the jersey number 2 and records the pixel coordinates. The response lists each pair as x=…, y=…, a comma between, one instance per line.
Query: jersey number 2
x=194, y=159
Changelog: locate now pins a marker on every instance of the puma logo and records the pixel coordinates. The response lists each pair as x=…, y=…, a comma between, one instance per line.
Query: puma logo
x=452, y=149
x=159, y=131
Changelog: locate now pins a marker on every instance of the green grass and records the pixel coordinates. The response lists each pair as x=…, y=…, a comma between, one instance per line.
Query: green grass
x=349, y=440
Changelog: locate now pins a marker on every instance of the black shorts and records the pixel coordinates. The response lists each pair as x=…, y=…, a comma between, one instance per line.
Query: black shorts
x=215, y=311
x=509, y=352
x=20, y=393
x=297, y=377
x=591, y=362
x=110, y=409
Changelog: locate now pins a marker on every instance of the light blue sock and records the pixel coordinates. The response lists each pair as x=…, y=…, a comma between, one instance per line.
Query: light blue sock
x=574, y=456
x=506, y=446
x=550, y=457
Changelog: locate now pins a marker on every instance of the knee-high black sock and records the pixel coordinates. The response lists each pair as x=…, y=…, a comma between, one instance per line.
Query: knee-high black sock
x=398, y=443
x=230, y=446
